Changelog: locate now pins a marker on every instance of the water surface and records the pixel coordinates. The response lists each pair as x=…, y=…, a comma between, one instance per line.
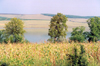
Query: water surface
x=39, y=35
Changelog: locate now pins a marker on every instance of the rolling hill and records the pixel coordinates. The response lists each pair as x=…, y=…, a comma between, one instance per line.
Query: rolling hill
x=71, y=16
x=36, y=16
x=24, y=16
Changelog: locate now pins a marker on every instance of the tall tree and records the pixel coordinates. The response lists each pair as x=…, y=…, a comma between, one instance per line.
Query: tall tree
x=15, y=26
x=58, y=27
x=94, y=25
x=14, y=31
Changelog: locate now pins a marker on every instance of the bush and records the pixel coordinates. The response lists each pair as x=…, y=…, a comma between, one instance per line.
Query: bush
x=77, y=34
x=77, y=38
x=13, y=39
x=77, y=60
x=18, y=38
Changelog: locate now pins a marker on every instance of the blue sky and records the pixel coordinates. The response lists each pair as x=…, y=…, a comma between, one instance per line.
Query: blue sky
x=68, y=7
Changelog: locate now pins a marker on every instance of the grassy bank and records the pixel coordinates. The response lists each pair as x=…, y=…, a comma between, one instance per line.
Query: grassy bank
x=45, y=54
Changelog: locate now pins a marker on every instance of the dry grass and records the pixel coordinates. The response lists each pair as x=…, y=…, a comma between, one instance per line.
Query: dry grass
x=72, y=23
x=36, y=23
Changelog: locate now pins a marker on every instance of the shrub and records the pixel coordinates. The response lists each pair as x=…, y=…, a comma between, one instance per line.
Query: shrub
x=18, y=38
x=77, y=34
x=77, y=60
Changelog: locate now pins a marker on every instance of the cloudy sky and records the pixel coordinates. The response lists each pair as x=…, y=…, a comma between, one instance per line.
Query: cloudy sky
x=68, y=7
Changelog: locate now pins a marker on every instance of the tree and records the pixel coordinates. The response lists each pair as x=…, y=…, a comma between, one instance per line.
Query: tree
x=14, y=31
x=94, y=25
x=15, y=26
x=58, y=28
x=78, y=34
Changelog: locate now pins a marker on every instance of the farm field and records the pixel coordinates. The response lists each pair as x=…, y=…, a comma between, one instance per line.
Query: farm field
x=71, y=23
x=46, y=54
x=49, y=33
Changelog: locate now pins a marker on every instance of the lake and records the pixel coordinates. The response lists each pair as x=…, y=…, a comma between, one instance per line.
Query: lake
x=39, y=35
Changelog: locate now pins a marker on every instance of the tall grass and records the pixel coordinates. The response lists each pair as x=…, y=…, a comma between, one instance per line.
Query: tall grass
x=46, y=54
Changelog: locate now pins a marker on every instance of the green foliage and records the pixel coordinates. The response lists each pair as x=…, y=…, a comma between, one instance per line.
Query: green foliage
x=11, y=38
x=18, y=38
x=1, y=36
x=13, y=32
x=77, y=34
x=77, y=59
x=94, y=25
x=6, y=40
x=4, y=18
x=58, y=27
x=15, y=26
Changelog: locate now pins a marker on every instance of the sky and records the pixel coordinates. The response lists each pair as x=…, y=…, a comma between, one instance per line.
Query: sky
x=68, y=7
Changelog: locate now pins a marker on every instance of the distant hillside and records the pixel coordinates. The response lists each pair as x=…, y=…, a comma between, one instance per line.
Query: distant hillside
x=71, y=16
x=4, y=18
x=24, y=16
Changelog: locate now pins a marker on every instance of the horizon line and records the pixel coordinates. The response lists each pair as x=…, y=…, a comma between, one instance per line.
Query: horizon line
x=36, y=14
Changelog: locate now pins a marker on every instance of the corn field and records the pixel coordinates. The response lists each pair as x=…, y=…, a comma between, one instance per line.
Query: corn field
x=46, y=54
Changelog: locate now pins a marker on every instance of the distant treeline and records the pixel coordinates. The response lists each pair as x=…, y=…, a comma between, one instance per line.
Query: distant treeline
x=71, y=16
x=5, y=18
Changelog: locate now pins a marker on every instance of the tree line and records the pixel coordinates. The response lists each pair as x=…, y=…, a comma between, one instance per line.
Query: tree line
x=58, y=29
x=14, y=31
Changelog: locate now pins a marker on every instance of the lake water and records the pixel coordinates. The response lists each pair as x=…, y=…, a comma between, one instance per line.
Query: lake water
x=39, y=35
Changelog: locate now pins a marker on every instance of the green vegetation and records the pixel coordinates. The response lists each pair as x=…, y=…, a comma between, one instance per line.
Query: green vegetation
x=77, y=34
x=4, y=18
x=13, y=31
x=58, y=28
x=94, y=25
x=50, y=54
x=15, y=26
x=1, y=36
x=77, y=59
